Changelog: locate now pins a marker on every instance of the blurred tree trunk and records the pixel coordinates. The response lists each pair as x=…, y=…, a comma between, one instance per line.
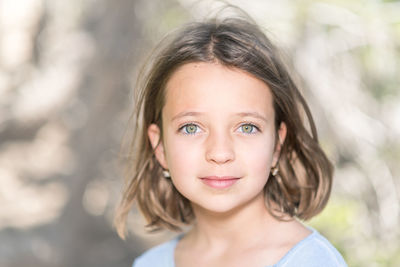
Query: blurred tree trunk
x=87, y=240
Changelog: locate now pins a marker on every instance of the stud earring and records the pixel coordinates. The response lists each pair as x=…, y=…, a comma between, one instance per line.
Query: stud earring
x=274, y=170
x=166, y=174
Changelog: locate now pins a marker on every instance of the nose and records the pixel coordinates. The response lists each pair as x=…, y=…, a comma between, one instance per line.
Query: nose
x=219, y=148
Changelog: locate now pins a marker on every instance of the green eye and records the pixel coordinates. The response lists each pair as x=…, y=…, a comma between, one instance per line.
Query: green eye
x=247, y=128
x=190, y=128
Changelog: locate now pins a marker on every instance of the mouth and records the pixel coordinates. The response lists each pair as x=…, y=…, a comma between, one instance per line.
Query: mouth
x=219, y=182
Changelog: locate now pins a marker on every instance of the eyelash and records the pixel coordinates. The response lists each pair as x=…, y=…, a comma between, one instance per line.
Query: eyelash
x=241, y=125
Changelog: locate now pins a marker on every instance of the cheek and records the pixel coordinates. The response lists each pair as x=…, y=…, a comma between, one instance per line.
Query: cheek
x=257, y=156
x=182, y=157
x=183, y=162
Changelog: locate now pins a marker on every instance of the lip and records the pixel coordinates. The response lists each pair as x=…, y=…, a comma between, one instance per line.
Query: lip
x=219, y=182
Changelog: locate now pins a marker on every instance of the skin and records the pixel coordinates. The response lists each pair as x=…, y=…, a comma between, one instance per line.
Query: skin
x=219, y=121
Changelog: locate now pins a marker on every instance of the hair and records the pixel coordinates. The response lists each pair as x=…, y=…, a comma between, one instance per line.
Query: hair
x=301, y=188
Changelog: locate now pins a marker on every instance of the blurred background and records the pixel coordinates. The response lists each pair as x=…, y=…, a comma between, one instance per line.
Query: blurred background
x=67, y=69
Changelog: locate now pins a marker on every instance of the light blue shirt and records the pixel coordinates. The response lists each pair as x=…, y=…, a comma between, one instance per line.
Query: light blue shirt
x=313, y=251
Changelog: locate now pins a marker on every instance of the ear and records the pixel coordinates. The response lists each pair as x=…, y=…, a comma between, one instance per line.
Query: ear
x=154, y=135
x=281, y=139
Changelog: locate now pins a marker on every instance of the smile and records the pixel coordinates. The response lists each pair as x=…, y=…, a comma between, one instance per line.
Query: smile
x=219, y=182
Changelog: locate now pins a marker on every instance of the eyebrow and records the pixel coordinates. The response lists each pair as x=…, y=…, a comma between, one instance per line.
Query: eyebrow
x=240, y=114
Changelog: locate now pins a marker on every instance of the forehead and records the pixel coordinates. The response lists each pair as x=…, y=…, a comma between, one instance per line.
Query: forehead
x=211, y=87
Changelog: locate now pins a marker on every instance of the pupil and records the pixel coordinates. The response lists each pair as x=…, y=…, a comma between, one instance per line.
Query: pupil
x=247, y=128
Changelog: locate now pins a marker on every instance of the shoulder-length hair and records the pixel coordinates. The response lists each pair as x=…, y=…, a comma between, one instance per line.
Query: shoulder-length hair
x=303, y=185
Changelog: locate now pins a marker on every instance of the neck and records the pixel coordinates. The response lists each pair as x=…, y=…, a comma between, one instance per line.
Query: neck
x=248, y=223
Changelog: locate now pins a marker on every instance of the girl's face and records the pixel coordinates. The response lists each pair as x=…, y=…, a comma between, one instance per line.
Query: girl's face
x=218, y=136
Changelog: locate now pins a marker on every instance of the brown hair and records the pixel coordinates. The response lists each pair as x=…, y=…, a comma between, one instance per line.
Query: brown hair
x=303, y=185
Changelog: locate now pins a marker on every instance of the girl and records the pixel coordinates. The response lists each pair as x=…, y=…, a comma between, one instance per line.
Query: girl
x=221, y=146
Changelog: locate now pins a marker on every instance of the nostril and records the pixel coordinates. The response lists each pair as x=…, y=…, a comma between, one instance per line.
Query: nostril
x=220, y=156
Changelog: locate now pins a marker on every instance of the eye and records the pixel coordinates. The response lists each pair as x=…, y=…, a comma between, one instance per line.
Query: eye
x=189, y=128
x=248, y=128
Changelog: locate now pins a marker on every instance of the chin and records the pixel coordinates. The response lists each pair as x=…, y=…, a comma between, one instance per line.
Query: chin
x=217, y=209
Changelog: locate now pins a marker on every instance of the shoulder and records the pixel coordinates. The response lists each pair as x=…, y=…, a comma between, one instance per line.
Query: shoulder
x=315, y=250
x=161, y=255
